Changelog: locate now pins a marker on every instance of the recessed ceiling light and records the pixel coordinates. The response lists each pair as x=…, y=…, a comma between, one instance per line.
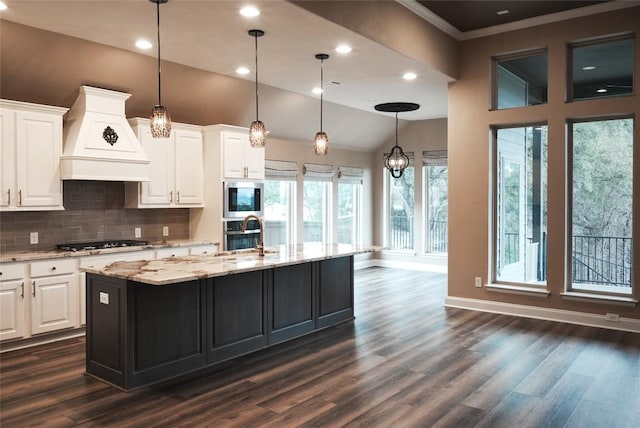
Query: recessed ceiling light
x=409, y=76
x=502, y=12
x=343, y=49
x=242, y=70
x=316, y=91
x=143, y=44
x=589, y=67
x=602, y=90
x=249, y=11
x=3, y=6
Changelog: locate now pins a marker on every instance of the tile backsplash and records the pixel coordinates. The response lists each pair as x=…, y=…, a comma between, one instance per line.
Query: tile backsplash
x=94, y=211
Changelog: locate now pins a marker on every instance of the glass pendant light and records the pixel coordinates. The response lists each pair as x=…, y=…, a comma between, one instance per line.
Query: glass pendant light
x=321, y=141
x=396, y=161
x=257, y=130
x=160, y=119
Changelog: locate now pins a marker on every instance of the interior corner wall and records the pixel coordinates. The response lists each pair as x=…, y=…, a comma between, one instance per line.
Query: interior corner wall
x=469, y=154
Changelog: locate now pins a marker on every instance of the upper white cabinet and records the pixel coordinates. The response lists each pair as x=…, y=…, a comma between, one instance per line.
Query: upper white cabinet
x=240, y=160
x=176, y=168
x=30, y=149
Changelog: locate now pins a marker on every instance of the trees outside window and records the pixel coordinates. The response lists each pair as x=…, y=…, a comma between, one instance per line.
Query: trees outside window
x=601, y=178
x=279, y=212
x=350, y=212
x=435, y=188
x=317, y=210
x=401, y=202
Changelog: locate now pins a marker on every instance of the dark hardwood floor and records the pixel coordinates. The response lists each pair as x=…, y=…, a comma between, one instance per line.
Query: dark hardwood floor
x=406, y=361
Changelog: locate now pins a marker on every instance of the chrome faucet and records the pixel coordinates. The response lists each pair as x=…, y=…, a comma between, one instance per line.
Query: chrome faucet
x=260, y=246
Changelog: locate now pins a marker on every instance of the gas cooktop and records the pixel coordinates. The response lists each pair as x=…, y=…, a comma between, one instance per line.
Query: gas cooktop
x=80, y=246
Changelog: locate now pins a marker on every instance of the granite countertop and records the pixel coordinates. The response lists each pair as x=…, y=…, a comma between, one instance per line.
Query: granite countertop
x=25, y=256
x=186, y=268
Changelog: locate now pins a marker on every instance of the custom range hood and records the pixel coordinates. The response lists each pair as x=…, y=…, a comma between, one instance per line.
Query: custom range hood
x=99, y=143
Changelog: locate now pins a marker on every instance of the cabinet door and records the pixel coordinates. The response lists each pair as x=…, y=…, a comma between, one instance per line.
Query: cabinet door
x=335, y=294
x=189, y=169
x=54, y=303
x=158, y=191
x=234, y=146
x=291, y=302
x=38, y=151
x=7, y=158
x=254, y=160
x=12, y=309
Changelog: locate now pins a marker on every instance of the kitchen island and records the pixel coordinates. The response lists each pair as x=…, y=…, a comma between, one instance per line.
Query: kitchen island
x=152, y=320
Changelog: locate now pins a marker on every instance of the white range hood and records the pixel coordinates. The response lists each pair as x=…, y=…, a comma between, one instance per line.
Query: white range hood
x=99, y=143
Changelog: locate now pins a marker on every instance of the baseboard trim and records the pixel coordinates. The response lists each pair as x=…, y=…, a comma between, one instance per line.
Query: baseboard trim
x=581, y=318
x=41, y=340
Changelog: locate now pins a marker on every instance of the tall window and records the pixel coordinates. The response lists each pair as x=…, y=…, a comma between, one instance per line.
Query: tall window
x=520, y=204
x=435, y=173
x=317, y=203
x=601, y=177
x=400, y=209
x=279, y=202
x=350, y=205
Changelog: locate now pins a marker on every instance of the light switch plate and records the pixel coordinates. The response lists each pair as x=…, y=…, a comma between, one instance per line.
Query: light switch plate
x=33, y=238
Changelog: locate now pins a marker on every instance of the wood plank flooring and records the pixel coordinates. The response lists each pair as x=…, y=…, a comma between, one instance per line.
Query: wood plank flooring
x=406, y=361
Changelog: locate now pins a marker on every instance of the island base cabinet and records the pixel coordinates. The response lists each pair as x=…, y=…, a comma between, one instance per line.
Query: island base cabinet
x=139, y=334
x=291, y=302
x=335, y=291
x=237, y=315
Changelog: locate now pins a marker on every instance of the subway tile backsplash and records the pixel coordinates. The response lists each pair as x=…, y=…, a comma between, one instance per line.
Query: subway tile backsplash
x=94, y=211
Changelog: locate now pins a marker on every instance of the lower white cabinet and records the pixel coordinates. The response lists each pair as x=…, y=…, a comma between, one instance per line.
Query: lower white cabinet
x=12, y=300
x=53, y=295
x=204, y=249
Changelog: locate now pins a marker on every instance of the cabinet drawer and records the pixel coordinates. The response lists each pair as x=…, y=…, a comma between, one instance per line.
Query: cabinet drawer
x=11, y=271
x=162, y=253
x=53, y=267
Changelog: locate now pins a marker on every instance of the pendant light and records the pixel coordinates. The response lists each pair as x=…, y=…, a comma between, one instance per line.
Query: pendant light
x=257, y=130
x=396, y=161
x=321, y=141
x=160, y=119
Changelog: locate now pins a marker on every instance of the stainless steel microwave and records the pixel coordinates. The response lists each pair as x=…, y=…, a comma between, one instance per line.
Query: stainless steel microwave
x=243, y=198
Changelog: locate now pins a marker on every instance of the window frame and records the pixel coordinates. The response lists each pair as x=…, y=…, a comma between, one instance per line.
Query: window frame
x=291, y=208
x=356, y=233
x=494, y=73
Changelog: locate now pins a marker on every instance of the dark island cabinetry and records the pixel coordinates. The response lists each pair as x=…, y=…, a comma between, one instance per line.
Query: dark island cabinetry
x=139, y=334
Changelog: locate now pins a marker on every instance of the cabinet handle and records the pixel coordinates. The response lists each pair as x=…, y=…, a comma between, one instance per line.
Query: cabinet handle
x=171, y=196
x=178, y=197
x=8, y=196
x=22, y=290
x=34, y=288
x=20, y=197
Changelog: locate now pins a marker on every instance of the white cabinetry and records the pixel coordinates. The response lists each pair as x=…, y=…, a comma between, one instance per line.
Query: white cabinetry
x=30, y=149
x=12, y=295
x=54, y=288
x=239, y=159
x=175, y=170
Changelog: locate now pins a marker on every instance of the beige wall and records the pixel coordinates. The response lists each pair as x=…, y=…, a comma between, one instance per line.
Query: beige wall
x=469, y=153
x=414, y=137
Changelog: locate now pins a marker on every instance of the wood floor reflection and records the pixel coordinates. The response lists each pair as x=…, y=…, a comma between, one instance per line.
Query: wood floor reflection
x=406, y=361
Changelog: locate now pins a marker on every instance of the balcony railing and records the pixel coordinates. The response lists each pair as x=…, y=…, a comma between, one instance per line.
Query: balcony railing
x=602, y=260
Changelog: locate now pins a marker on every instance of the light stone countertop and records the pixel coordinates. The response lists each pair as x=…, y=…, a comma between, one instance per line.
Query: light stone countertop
x=26, y=256
x=186, y=268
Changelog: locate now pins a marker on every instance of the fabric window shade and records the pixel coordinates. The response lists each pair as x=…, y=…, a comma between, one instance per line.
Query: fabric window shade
x=350, y=173
x=434, y=157
x=280, y=170
x=318, y=172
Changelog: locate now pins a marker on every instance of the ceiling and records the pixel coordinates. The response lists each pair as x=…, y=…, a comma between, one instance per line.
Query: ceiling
x=211, y=35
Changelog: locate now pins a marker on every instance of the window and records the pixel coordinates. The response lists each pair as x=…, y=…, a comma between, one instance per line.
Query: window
x=601, y=69
x=520, y=204
x=400, y=207
x=350, y=205
x=434, y=172
x=279, y=202
x=317, y=203
x=601, y=197
x=520, y=81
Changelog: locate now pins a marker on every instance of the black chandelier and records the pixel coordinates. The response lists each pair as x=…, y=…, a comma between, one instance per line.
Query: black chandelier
x=396, y=161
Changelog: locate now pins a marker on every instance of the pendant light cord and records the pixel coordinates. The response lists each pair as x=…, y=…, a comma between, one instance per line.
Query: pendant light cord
x=159, y=69
x=321, y=89
x=396, y=129
x=256, y=38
